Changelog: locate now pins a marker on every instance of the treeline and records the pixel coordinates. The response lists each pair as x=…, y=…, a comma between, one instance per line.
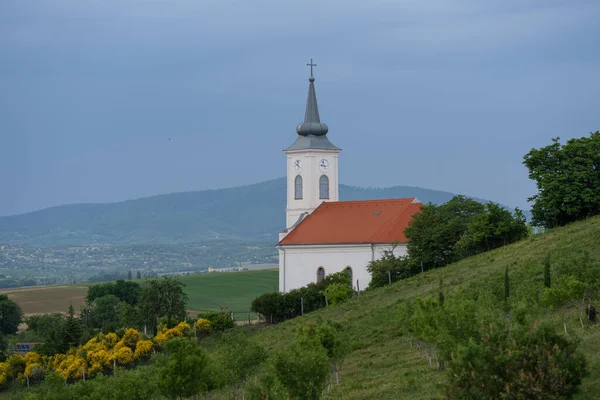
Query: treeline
x=110, y=307
x=278, y=307
x=440, y=235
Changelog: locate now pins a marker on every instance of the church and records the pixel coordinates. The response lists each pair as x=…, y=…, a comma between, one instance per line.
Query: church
x=324, y=235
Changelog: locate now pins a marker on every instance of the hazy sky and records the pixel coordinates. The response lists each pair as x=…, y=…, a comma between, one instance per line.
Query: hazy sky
x=443, y=94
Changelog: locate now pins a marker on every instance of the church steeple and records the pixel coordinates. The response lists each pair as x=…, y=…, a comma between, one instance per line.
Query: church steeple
x=312, y=132
x=312, y=122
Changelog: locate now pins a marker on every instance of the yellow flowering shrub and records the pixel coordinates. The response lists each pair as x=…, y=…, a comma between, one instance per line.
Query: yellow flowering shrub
x=123, y=355
x=3, y=373
x=33, y=366
x=72, y=367
x=130, y=338
x=16, y=366
x=143, y=348
x=110, y=340
x=202, y=325
x=166, y=334
x=97, y=361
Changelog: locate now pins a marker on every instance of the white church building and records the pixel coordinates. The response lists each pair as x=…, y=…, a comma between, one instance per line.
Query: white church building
x=324, y=235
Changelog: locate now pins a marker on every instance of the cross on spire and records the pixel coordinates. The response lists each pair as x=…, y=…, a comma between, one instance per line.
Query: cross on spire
x=311, y=66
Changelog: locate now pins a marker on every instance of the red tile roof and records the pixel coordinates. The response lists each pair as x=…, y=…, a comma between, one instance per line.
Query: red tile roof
x=367, y=221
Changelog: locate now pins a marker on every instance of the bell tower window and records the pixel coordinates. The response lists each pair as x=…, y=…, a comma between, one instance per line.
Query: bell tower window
x=298, y=187
x=323, y=187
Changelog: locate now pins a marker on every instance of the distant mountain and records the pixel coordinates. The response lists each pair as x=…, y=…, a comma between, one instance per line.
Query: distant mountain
x=253, y=213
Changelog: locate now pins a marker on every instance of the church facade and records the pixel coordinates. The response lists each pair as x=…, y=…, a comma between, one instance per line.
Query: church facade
x=324, y=235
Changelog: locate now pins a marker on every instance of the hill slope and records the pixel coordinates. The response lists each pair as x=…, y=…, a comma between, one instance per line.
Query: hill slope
x=382, y=365
x=249, y=213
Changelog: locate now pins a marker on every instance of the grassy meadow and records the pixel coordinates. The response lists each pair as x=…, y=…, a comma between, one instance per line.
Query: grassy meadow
x=47, y=299
x=234, y=289
x=382, y=364
x=206, y=292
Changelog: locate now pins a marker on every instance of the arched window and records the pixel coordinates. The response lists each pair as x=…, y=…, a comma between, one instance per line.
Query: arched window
x=320, y=274
x=323, y=187
x=298, y=187
x=349, y=272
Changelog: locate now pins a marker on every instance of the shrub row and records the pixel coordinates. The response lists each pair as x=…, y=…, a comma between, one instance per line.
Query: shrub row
x=278, y=307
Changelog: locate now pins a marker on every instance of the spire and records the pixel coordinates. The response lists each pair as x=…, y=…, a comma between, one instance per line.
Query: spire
x=312, y=123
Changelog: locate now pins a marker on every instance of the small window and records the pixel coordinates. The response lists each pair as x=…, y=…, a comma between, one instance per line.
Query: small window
x=349, y=272
x=320, y=274
x=298, y=188
x=324, y=187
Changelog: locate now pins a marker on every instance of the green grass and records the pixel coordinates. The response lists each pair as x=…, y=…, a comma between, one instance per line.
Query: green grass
x=236, y=289
x=382, y=365
x=206, y=292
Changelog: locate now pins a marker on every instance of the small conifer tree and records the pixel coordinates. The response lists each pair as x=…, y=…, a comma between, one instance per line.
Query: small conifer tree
x=547, y=278
x=506, y=285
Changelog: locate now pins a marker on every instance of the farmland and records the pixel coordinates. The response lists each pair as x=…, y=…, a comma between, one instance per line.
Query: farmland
x=206, y=292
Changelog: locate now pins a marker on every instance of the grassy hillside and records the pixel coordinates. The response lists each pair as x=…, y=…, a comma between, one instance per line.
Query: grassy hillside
x=248, y=213
x=235, y=289
x=382, y=365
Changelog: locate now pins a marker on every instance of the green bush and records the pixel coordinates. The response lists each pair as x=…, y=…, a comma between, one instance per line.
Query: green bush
x=219, y=321
x=278, y=307
x=520, y=364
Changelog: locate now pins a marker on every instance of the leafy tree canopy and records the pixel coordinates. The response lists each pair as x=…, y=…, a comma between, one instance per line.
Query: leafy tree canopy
x=568, y=180
x=10, y=315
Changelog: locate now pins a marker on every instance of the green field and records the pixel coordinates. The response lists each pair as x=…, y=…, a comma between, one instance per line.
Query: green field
x=382, y=364
x=234, y=289
x=206, y=292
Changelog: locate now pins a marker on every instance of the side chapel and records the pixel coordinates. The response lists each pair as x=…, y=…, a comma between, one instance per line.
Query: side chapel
x=324, y=235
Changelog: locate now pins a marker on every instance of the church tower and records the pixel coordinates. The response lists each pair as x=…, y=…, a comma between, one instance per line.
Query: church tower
x=312, y=164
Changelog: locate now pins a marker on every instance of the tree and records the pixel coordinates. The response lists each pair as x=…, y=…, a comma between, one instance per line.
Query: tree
x=568, y=180
x=547, y=277
x=10, y=315
x=525, y=363
x=330, y=335
x=163, y=298
x=434, y=232
x=129, y=275
x=390, y=268
x=181, y=372
x=493, y=228
x=126, y=291
x=337, y=293
x=302, y=369
x=73, y=329
x=241, y=359
x=506, y=285
x=139, y=275
x=104, y=313
x=567, y=289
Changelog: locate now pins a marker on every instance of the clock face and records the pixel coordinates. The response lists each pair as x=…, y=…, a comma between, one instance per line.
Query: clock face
x=323, y=165
x=298, y=165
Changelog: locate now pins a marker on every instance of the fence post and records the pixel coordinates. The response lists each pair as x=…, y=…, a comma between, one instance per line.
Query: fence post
x=248, y=317
x=390, y=277
x=357, y=286
x=302, y=305
x=421, y=266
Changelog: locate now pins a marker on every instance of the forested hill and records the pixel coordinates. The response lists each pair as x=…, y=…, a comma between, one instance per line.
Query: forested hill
x=247, y=213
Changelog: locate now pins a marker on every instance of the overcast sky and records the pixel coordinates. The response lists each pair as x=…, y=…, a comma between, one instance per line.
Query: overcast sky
x=442, y=94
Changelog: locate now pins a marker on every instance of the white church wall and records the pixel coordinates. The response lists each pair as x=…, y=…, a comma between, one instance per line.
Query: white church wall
x=298, y=264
